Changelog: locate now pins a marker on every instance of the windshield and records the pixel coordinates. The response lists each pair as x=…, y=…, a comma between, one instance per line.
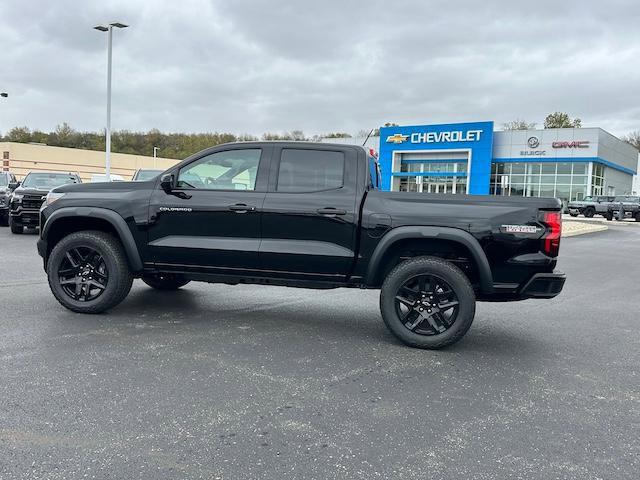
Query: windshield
x=47, y=181
x=144, y=175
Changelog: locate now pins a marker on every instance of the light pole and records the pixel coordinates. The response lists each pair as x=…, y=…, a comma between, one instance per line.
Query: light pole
x=109, y=28
x=4, y=94
x=155, y=152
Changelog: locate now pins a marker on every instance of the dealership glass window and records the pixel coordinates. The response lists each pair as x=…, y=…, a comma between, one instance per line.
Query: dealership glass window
x=565, y=180
x=597, y=179
x=440, y=183
x=408, y=184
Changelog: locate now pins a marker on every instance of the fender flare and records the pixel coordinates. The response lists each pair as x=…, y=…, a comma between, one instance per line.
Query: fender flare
x=457, y=235
x=116, y=221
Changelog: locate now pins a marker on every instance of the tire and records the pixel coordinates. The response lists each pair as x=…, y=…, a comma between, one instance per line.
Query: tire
x=637, y=216
x=589, y=212
x=573, y=214
x=609, y=216
x=112, y=265
x=16, y=228
x=4, y=220
x=165, y=281
x=440, y=271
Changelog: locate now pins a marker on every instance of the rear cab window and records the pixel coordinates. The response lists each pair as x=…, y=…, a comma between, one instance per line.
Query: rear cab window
x=304, y=170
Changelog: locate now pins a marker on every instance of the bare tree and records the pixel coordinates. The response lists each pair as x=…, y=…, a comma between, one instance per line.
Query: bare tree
x=518, y=124
x=633, y=138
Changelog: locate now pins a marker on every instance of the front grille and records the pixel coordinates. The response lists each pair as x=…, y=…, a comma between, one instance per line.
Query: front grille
x=32, y=202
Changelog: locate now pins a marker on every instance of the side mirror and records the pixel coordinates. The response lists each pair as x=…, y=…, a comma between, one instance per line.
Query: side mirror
x=166, y=182
x=13, y=185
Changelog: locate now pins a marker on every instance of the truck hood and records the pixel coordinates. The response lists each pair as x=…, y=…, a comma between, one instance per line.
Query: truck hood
x=31, y=191
x=104, y=187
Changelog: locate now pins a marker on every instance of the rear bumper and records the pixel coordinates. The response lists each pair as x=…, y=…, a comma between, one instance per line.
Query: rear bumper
x=543, y=285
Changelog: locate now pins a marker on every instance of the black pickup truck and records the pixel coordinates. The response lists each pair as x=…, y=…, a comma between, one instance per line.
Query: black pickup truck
x=303, y=215
x=28, y=196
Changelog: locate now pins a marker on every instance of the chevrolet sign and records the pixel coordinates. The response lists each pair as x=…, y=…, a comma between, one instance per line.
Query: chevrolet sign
x=437, y=137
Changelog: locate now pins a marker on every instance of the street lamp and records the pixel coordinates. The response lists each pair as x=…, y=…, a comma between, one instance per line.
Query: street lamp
x=4, y=94
x=109, y=28
x=155, y=155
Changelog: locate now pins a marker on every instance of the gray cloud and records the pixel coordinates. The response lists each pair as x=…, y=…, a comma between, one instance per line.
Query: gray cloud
x=255, y=66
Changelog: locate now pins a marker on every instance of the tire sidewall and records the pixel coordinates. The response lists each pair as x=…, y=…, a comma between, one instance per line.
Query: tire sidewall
x=109, y=257
x=448, y=272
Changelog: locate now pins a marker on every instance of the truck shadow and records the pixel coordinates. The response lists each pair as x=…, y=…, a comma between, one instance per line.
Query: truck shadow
x=302, y=316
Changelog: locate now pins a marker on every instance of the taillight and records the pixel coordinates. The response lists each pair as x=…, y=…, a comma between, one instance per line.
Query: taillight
x=551, y=238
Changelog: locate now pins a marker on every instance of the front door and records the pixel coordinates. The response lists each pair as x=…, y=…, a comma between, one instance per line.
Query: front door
x=211, y=219
x=310, y=214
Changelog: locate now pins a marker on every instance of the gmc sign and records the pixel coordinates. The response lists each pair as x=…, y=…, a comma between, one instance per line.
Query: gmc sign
x=574, y=144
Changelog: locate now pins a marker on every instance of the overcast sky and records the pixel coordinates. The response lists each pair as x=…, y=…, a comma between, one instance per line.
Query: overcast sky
x=320, y=66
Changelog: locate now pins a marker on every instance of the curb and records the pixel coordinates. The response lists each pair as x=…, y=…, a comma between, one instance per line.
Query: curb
x=579, y=228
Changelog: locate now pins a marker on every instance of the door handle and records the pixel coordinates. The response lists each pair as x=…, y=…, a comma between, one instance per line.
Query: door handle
x=331, y=212
x=241, y=208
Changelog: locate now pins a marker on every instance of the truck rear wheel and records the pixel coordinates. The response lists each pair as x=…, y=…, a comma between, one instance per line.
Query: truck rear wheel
x=88, y=272
x=165, y=281
x=427, y=302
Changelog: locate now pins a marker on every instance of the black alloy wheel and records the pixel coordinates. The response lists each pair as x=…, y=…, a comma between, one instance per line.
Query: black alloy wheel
x=427, y=305
x=88, y=271
x=427, y=302
x=83, y=274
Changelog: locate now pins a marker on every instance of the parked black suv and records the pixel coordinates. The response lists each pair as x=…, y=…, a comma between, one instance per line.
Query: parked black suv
x=29, y=195
x=303, y=215
x=7, y=183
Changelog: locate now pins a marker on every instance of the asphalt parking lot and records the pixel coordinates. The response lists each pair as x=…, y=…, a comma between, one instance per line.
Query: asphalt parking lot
x=263, y=382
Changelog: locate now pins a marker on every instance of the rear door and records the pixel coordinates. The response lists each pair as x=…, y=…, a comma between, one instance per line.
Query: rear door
x=210, y=222
x=310, y=214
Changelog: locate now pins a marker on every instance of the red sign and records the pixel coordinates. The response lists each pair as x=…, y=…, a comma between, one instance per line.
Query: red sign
x=574, y=144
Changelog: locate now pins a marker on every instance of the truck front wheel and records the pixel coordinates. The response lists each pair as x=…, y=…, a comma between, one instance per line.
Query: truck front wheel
x=427, y=303
x=15, y=227
x=589, y=212
x=88, y=272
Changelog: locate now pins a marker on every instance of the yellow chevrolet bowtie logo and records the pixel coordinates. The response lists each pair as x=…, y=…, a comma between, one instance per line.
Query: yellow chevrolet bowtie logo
x=397, y=138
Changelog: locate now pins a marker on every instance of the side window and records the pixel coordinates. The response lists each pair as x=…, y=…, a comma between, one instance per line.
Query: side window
x=229, y=170
x=310, y=170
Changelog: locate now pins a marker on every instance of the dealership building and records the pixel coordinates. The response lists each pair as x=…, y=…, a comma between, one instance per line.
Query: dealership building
x=567, y=163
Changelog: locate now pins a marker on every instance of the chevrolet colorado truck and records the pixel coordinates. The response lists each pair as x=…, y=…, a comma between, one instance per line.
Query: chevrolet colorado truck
x=306, y=215
x=28, y=196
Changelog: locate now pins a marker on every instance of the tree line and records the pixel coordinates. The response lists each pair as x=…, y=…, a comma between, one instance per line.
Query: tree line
x=181, y=145
x=169, y=145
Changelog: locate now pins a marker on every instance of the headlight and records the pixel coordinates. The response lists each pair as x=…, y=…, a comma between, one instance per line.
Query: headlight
x=51, y=197
x=16, y=197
